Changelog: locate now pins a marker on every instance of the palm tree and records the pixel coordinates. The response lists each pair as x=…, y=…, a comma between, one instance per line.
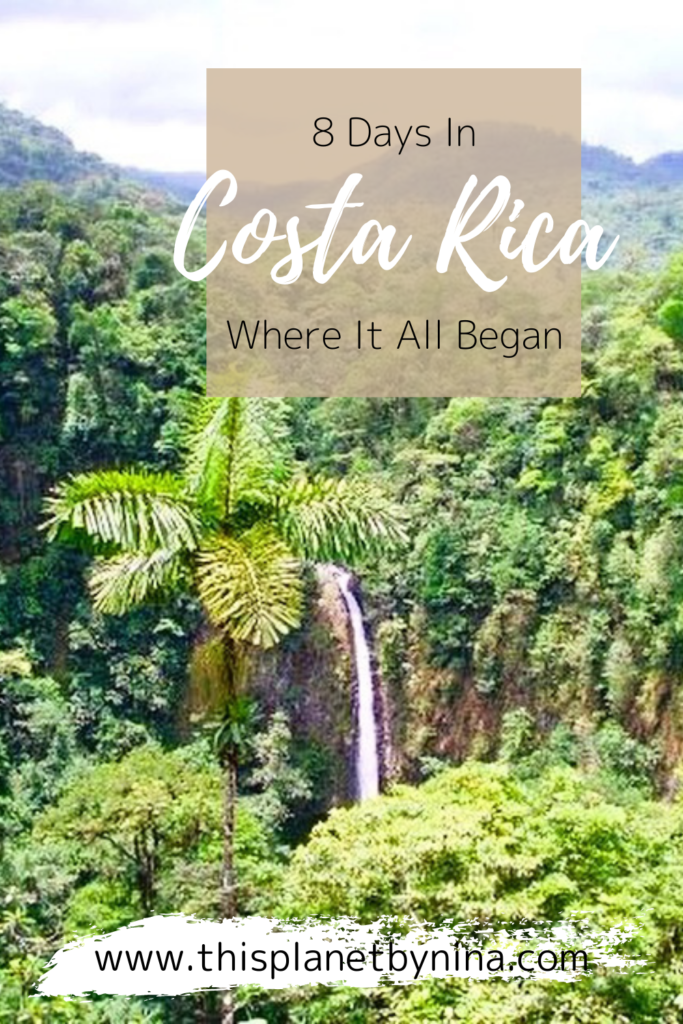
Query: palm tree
x=233, y=527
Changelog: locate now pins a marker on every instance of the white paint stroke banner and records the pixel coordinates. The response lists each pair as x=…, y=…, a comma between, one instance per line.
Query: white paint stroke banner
x=174, y=954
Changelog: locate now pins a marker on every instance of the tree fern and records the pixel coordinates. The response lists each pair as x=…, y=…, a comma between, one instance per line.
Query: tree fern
x=232, y=528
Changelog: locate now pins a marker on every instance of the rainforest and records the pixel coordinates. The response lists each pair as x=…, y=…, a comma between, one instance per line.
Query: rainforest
x=414, y=657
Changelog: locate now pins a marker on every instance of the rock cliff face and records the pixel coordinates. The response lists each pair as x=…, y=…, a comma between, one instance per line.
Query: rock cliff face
x=505, y=698
x=431, y=712
x=312, y=675
x=422, y=711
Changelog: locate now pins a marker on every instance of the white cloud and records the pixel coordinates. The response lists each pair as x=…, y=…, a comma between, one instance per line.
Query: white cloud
x=93, y=10
x=142, y=71
x=171, y=144
x=127, y=79
x=637, y=123
x=134, y=92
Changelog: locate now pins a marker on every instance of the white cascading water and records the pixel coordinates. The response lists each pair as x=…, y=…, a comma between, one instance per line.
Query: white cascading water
x=367, y=759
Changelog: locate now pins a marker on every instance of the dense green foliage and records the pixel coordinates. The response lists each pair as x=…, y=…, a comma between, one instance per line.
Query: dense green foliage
x=101, y=345
x=546, y=565
x=531, y=627
x=487, y=842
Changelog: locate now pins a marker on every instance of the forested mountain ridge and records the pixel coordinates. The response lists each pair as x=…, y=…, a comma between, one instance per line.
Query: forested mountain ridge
x=601, y=165
x=643, y=203
x=32, y=151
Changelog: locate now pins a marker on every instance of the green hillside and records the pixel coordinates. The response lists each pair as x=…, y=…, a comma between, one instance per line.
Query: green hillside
x=520, y=564
x=31, y=151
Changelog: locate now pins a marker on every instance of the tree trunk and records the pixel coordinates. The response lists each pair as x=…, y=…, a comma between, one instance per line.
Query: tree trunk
x=228, y=1007
x=228, y=874
x=230, y=762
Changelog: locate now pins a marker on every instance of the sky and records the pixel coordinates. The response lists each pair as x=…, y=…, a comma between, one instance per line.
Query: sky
x=126, y=79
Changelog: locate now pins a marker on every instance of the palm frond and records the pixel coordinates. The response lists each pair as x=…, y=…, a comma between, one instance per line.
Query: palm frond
x=130, y=511
x=214, y=422
x=120, y=583
x=250, y=586
x=235, y=447
x=326, y=519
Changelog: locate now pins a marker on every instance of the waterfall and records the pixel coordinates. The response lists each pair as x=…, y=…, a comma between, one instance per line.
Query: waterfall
x=367, y=758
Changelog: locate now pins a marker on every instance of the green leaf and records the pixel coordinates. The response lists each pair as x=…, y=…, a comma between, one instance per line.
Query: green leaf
x=250, y=586
x=234, y=446
x=130, y=510
x=337, y=520
x=119, y=583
